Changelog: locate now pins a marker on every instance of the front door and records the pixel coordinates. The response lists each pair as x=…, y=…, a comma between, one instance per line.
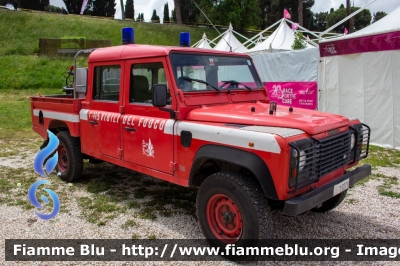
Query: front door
x=147, y=132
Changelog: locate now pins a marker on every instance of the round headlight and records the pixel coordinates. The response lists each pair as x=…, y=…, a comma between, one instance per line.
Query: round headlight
x=352, y=141
x=302, y=160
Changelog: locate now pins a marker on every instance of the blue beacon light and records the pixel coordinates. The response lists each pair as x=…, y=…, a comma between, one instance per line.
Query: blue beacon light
x=128, y=36
x=184, y=39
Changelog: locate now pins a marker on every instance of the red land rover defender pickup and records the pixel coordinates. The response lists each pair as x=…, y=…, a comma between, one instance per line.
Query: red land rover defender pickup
x=202, y=118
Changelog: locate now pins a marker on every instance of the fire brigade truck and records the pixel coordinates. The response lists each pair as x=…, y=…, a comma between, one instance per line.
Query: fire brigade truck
x=202, y=118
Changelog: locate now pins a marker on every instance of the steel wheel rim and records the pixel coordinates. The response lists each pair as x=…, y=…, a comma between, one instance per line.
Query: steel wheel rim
x=62, y=159
x=224, y=218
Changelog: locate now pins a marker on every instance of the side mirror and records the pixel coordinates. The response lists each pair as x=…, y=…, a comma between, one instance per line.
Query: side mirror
x=159, y=95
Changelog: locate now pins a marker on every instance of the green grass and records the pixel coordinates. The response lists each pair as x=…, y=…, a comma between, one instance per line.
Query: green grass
x=382, y=157
x=33, y=72
x=21, y=68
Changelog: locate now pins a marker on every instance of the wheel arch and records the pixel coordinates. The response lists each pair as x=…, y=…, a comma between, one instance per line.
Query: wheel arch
x=244, y=159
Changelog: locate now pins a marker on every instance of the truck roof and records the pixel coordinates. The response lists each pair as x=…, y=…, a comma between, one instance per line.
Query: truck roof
x=132, y=51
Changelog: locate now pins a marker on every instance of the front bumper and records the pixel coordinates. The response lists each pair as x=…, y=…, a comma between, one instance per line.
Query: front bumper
x=303, y=203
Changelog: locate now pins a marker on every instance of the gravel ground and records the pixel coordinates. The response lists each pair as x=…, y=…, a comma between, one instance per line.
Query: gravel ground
x=364, y=214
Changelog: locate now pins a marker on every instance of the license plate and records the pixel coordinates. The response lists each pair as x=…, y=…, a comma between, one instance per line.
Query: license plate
x=342, y=186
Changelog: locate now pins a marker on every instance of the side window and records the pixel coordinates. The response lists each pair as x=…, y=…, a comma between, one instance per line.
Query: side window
x=106, y=83
x=143, y=77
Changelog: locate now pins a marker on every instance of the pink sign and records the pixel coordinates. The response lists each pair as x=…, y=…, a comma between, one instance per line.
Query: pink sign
x=295, y=94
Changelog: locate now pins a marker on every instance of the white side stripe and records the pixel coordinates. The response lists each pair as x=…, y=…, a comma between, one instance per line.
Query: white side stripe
x=281, y=131
x=231, y=136
x=169, y=127
x=58, y=115
x=83, y=114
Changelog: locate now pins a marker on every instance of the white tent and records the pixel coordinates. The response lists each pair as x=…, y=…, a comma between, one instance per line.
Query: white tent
x=229, y=42
x=281, y=39
x=359, y=76
x=203, y=43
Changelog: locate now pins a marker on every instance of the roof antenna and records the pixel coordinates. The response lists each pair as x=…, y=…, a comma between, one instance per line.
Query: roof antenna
x=230, y=47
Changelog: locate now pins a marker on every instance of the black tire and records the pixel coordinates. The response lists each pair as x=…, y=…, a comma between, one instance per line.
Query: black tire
x=331, y=203
x=70, y=161
x=240, y=197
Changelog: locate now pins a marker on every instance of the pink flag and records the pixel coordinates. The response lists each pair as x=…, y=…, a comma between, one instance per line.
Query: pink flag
x=84, y=3
x=345, y=31
x=295, y=26
x=286, y=14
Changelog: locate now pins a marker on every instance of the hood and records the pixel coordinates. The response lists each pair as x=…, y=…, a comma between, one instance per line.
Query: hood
x=310, y=121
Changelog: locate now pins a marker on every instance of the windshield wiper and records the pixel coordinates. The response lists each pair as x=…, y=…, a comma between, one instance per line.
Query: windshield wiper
x=201, y=81
x=235, y=82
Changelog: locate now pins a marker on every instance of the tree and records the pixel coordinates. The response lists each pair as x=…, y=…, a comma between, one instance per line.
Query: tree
x=140, y=17
x=173, y=15
x=274, y=11
x=34, y=4
x=300, y=9
x=351, y=20
x=241, y=13
x=361, y=20
x=189, y=11
x=154, y=17
x=166, y=13
x=51, y=8
x=319, y=21
x=378, y=15
x=332, y=10
x=299, y=42
x=129, y=9
x=177, y=9
x=265, y=6
x=105, y=8
x=74, y=6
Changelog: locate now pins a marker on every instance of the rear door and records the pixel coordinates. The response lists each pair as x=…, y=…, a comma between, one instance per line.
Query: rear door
x=103, y=118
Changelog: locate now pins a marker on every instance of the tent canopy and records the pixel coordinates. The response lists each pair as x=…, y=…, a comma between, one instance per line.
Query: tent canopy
x=203, y=43
x=229, y=43
x=281, y=39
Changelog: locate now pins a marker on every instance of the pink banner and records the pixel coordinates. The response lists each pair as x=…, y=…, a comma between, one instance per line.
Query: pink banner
x=84, y=3
x=295, y=94
x=373, y=43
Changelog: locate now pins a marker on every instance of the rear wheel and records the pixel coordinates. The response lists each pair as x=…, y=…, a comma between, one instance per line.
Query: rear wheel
x=70, y=161
x=232, y=209
x=331, y=203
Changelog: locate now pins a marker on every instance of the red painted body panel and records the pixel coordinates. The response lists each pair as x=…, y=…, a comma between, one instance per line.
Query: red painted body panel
x=146, y=139
x=310, y=121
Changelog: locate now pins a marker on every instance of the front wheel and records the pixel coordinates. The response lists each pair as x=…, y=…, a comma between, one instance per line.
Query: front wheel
x=232, y=209
x=70, y=161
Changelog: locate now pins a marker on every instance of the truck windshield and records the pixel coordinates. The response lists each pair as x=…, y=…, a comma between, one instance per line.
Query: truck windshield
x=199, y=72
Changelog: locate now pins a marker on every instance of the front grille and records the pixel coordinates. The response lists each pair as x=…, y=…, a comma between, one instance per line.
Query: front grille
x=320, y=157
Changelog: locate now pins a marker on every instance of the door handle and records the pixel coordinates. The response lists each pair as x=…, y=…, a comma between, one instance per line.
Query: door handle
x=93, y=122
x=130, y=129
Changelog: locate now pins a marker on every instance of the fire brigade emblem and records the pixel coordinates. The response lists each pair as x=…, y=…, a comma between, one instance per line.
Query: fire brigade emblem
x=147, y=148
